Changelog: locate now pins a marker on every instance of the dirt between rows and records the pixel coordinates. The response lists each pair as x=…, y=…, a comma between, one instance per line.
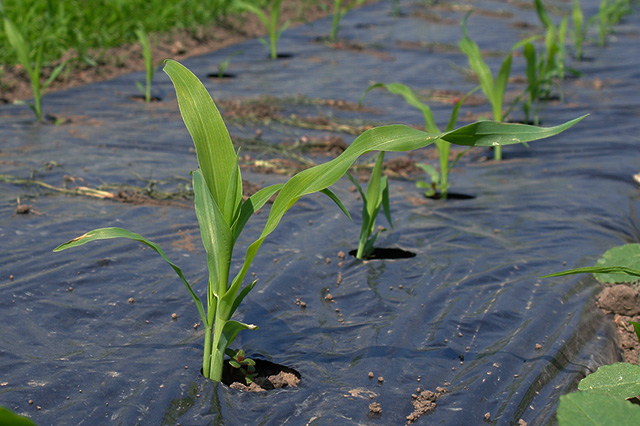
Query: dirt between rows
x=622, y=301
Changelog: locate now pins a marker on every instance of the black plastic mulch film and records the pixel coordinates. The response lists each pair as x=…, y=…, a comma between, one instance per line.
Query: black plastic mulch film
x=468, y=313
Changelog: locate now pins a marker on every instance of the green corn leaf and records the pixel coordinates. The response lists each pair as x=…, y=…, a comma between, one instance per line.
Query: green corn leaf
x=543, y=15
x=252, y=205
x=385, y=200
x=9, y=418
x=636, y=328
x=215, y=232
x=374, y=189
x=241, y=295
x=411, y=98
x=336, y=200
x=620, y=380
x=491, y=133
x=215, y=152
x=19, y=44
x=500, y=87
x=230, y=331
x=233, y=199
x=596, y=409
x=109, y=233
x=596, y=270
x=477, y=64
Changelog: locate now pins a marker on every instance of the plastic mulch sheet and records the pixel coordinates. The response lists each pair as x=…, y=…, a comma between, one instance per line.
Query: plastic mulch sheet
x=88, y=335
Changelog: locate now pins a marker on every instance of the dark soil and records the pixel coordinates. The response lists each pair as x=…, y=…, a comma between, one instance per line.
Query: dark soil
x=623, y=302
x=270, y=376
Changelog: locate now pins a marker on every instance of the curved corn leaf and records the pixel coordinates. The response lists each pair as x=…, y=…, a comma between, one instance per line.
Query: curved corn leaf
x=597, y=270
x=109, y=233
x=492, y=133
x=214, y=149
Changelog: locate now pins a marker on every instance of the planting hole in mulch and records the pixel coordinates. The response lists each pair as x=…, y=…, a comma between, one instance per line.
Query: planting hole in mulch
x=270, y=376
x=387, y=253
x=219, y=77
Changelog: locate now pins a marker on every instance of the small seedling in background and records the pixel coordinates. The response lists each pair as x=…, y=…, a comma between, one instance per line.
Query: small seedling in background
x=246, y=366
x=222, y=67
x=32, y=64
x=270, y=23
x=395, y=8
x=552, y=64
x=222, y=213
x=494, y=90
x=338, y=13
x=148, y=64
x=580, y=28
x=610, y=13
x=439, y=185
x=377, y=196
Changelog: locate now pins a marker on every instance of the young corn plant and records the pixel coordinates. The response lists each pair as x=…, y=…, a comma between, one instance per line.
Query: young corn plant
x=439, y=185
x=270, y=22
x=148, y=64
x=377, y=196
x=553, y=65
x=32, y=64
x=580, y=28
x=338, y=13
x=222, y=213
x=493, y=89
x=222, y=67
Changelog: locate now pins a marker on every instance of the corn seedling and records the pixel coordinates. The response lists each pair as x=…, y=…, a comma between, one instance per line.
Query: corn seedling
x=552, y=65
x=494, y=90
x=148, y=64
x=222, y=67
x=439, y=185
x=377, y=196
x=580, y=28
x=338, y=13
x=32, y=64
x=610, y=13
x=269, y=21
x=222, y=213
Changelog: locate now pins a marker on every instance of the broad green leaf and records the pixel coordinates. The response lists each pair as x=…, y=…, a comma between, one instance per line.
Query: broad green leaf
x=230, y=331
x=627, y=255
x=214, y=149
x=619, y=380
x=109, y=233
x=491, y=133
x=595, y=409
x=9, y=418
x=216, y=235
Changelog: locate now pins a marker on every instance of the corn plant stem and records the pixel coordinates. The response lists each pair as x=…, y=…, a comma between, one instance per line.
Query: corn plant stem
x=336, y=21
x=443, y=155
